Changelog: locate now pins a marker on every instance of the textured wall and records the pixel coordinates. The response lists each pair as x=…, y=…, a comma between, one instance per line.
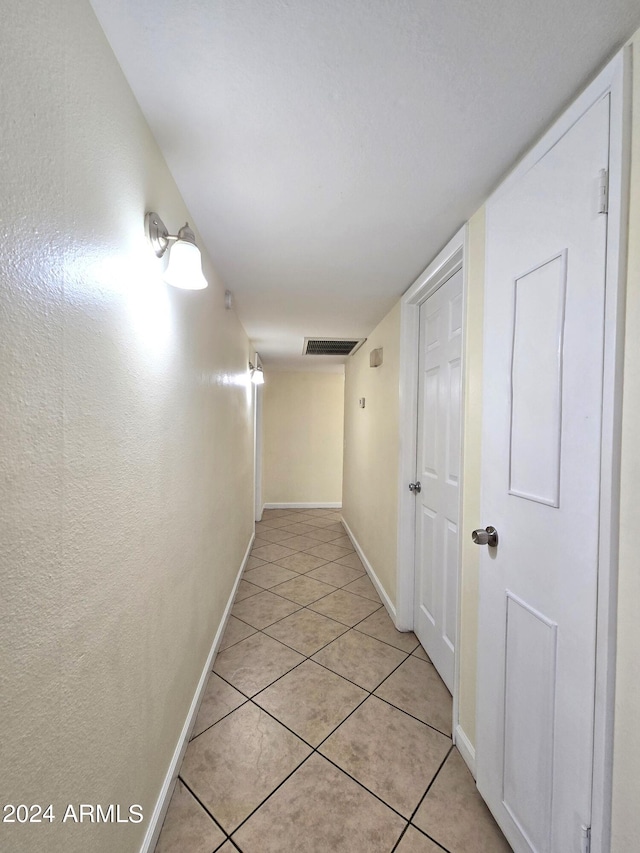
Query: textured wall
x=125, y=426
x=370, y=482
x=303, y=420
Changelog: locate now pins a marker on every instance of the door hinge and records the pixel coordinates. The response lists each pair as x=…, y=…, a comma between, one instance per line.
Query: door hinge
x=585, y=838
x=603, y=192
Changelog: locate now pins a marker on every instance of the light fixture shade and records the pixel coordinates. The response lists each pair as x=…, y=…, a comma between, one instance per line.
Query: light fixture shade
x=257, y=376
x=185, y=266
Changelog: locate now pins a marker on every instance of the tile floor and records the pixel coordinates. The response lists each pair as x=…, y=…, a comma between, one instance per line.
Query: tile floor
x=323, y=729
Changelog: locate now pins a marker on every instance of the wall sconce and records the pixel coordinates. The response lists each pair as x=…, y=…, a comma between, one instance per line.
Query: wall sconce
x=184, y=269
x=257, y=374
x=375, y=357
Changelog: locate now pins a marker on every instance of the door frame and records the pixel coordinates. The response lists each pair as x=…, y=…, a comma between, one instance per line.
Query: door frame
x=258, y=505
x=614, y=80
x=451, y=259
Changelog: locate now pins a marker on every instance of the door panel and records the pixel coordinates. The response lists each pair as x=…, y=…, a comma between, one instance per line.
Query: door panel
x=438, y=470
x=542, y=412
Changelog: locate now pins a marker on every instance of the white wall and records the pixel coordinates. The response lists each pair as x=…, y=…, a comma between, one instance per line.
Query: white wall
x=303, y=422
x=125, y=427
x=370, y=490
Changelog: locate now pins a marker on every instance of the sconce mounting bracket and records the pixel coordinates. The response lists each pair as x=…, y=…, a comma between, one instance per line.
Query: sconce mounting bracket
x=157, y=233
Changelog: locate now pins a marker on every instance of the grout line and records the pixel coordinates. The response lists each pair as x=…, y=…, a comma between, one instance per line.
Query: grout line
x=246, y=699
x=430, y=785
x=397, y=648
x=197, y=798
x=259, y=806
x=413, y=717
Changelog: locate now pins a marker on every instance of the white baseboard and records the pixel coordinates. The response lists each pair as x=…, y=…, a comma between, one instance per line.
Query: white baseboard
x=303, y=506
x=157, y=818
x=373, y=576
x=465, y=748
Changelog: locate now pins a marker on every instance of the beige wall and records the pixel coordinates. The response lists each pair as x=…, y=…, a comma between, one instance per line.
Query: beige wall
x=472, y=444
x=126, y=427
x=303, y=419
x=370, y=485
x=626, y=814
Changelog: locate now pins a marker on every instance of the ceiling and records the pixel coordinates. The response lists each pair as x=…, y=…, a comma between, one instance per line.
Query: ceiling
x=328, y=149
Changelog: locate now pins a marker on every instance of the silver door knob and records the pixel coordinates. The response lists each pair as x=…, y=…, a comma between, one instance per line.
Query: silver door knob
x=488, y=536
x=416, y=488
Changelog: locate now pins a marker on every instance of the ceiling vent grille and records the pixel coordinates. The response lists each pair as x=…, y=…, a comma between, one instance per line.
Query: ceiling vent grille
x=331, y=346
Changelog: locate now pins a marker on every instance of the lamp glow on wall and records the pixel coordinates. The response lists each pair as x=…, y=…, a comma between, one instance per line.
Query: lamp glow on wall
x=184, y=269
x=256, y=373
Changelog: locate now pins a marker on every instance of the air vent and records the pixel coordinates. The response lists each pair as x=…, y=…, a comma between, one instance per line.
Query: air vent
x=331, y=346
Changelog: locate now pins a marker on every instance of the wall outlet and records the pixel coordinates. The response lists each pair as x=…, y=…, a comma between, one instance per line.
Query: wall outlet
x=361, y=402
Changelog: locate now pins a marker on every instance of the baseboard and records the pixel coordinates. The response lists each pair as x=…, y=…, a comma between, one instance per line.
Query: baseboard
x=466, y=749
x=372, y=575
x=315, y=505
x=162, y=804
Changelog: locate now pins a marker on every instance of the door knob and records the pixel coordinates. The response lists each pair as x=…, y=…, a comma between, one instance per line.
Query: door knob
x=416, y=488
x=488, y=536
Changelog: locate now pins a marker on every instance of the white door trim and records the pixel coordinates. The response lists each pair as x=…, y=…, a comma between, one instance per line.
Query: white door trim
x=614, y=80
x=448, y=261
x=257, y=450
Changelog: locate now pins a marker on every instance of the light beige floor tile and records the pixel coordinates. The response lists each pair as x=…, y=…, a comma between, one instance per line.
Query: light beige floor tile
x=344, y=607
x=302, y=589
x=324, y=535
x=302, y=542
x=380, y=626
x=299, y=528
x=271, y=552
x=306, y=631
x=335, y=574
x=276, y=523
x=219, y=700
x=275, y=534
x=233, y=766
x=301, y=562
x=420, y=653
x=187, y=826
x=253, y=563
x=320, y=810
x=246, y=590
x=234, y=632
x=415, y=842
x=263, y=609
x=329, y=524
x=454, y=813
x=326, y=550
x=351, y=560
x=418, y=689
x=342, y=541
x=363, y=586
x=390, y=753
x=359, y=658
x=255, y=662
x=227, y=847
x=312, y=701
x=269, y=575
x=274, y=513
x=259, y=542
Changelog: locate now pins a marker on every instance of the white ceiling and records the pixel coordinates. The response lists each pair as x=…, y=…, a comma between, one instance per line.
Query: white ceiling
x=328, y=149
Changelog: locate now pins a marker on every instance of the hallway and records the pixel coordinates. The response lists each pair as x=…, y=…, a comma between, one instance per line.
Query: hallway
x=322, y=727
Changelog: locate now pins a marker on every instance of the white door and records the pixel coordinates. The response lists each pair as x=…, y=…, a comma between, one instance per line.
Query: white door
x=438, y=472
x=542, y=413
